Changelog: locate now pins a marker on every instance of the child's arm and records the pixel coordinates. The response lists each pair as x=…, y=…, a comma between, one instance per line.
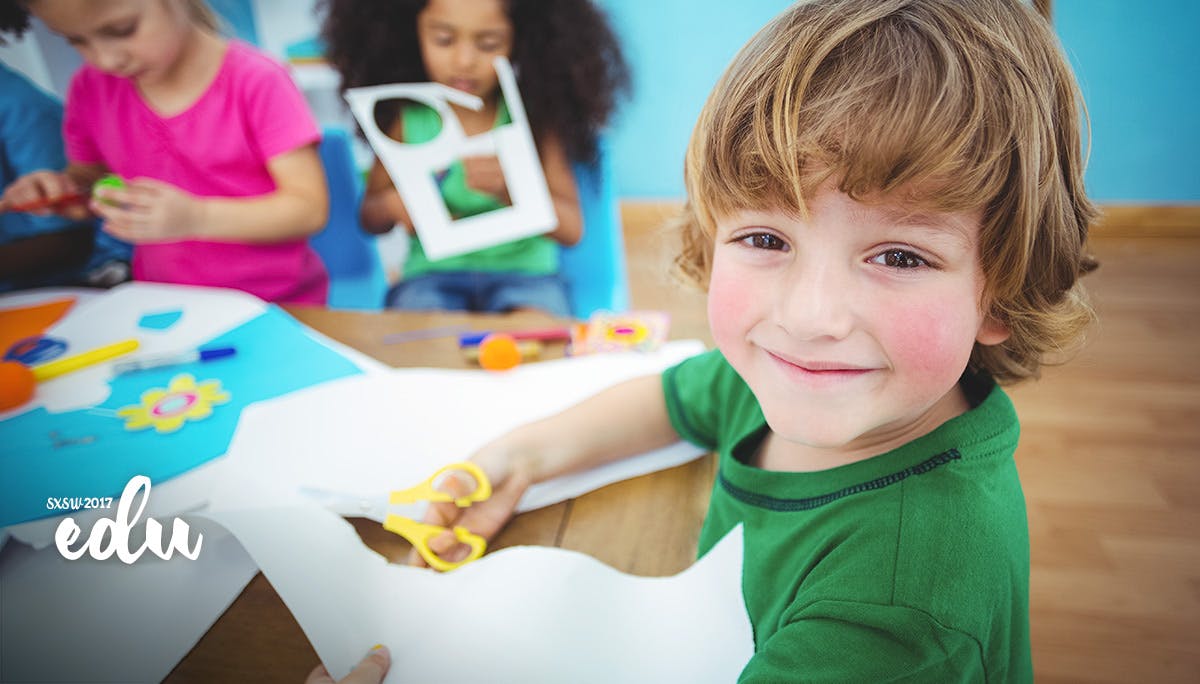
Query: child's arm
x=47, y=187
x=382, y=207
x=622, y=421
x=149, y=210
x=564, y=191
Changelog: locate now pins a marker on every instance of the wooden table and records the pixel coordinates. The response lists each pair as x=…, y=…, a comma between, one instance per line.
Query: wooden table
x=645, y=526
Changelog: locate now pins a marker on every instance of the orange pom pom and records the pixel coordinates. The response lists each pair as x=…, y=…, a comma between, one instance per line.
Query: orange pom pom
x=16, y=384
x=498, y=352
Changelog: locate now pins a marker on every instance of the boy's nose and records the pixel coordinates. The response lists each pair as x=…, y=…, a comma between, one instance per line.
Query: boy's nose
x=815, y=302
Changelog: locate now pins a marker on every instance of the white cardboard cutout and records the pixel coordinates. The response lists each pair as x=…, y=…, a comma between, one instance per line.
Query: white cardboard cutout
x=412, y=166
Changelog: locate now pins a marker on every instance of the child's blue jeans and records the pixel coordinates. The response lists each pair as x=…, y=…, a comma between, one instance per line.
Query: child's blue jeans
x=481, y=292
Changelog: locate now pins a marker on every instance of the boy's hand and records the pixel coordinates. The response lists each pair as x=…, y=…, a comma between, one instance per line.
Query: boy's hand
x=370, y=670
x=46, y=186
x=483, y=174
x=485, y=518
x=148, y=210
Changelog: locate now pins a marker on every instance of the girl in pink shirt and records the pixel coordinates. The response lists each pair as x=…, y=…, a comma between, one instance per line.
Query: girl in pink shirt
x=218, y=148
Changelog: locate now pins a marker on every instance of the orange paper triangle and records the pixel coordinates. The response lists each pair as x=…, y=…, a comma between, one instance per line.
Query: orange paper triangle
x=29, y=321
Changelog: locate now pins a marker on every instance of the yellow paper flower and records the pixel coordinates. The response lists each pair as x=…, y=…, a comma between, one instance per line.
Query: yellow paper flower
x=167, y=409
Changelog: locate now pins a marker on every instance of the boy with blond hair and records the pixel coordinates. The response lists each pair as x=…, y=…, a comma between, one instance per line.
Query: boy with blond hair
x=887, y=209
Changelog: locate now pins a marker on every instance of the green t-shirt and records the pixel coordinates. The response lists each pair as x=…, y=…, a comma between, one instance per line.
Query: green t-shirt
x=909, y=566
x=531, y=256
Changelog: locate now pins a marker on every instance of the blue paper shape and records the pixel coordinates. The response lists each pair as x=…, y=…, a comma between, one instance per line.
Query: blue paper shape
x=161, y=320
x=89, y=453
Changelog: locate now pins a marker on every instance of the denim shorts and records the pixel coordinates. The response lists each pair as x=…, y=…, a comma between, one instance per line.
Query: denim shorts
x=481, y=292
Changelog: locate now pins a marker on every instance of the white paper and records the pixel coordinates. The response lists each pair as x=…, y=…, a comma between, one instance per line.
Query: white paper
x=358, y=438
x=523, y=614
x=412, y=166
x=104, y=621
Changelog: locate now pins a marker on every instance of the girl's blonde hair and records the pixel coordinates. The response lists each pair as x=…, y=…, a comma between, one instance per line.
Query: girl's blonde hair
x=946, y=104
x=202, y=15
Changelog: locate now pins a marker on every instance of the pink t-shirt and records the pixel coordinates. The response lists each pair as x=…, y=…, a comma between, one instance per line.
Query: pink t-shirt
x=218, y=147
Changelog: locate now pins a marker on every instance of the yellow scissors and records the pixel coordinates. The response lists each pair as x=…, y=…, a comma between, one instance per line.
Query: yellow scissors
x=420, y=534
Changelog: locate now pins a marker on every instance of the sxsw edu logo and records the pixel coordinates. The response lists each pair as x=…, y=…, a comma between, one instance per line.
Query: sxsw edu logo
x=109, y=535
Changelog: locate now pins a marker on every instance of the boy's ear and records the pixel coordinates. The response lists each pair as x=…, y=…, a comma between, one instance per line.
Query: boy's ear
x=992, y=331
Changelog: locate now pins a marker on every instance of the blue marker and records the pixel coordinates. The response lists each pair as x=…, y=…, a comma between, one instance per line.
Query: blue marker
x=197, y=356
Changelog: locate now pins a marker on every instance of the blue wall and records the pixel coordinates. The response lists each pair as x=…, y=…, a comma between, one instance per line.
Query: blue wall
x=677, y=49
x=1137, y=63
x=1139, y=69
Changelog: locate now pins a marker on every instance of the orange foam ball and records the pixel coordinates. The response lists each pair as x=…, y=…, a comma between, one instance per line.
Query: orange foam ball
x=16, y=384
x=498, y=352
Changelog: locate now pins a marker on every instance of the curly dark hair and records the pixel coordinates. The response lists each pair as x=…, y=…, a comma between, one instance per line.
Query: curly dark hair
x=569, y=64
x=14, y=19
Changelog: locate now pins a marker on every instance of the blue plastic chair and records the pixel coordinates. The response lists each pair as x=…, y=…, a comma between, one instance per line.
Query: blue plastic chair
x=356, y=278
x=594, y=268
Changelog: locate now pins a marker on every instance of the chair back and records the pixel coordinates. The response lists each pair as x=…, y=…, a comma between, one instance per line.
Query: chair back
x=356, y=278
x=594, y=268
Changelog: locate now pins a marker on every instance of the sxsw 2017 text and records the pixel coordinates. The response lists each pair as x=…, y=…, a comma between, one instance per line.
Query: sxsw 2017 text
x=75, y=503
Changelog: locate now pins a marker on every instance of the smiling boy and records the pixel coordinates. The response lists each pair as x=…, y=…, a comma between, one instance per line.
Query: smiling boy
x=886, y=206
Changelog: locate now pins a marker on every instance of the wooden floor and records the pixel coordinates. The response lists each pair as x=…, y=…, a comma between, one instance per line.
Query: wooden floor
x=1109, y=458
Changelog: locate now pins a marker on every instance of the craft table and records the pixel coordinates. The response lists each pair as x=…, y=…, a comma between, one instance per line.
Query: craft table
x=645, y=526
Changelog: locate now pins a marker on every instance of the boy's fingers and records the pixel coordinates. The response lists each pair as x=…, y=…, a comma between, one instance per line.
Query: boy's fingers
x=447, y=547
x=319, y=675
x=487, y=518
x=454, y=486
x=372, y=668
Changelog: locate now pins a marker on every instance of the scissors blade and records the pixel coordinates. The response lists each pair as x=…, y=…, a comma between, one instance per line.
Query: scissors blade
x=375, y=507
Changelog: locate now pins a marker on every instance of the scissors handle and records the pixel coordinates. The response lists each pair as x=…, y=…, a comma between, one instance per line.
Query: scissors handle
x=426, y=491
x=420, y=534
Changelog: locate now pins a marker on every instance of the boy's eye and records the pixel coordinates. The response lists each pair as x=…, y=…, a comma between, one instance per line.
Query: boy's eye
x=899, y=258
x=764, y=241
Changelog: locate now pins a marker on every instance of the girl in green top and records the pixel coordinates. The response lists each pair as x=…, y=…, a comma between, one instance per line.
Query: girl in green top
x=570, y=71
x=887, y=208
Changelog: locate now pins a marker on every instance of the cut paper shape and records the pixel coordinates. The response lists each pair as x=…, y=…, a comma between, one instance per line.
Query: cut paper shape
x=162, y=320
x=276, y=355
x=413, y=167
x=22, y=322
x=523, y=614
x=167, y=409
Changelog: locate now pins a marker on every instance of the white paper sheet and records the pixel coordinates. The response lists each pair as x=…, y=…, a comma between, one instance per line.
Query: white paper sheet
x=523, y=614
x=104, y=621
x=358, y=438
